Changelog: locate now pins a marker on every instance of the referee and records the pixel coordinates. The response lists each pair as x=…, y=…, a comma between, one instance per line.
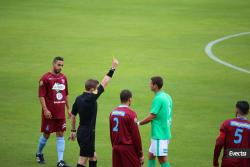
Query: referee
x=86, y=106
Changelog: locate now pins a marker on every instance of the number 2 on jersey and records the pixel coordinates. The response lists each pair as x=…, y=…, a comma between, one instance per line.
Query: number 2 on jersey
x=115, y=129
x=238, y=134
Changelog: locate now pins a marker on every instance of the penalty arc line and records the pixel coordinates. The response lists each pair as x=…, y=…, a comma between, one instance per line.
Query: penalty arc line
x=210, y=54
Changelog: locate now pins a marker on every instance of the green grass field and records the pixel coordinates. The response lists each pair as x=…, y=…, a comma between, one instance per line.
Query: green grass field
x=150, y=37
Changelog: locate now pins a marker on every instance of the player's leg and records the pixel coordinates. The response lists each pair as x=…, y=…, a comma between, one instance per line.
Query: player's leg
x=116, y=161
x=60, y=145
x=163, y=161
x=41, y=144
x=93, y=160
x=60, y=128
x=152, y=153
x=83, y=142
x=151, y=160
x=163, y=153
x=45, y=128
x=91, y=151
x=82, y=161
x=128, y=156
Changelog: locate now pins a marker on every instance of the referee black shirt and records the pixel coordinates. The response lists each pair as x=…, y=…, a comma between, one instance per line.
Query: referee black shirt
x=86, y=106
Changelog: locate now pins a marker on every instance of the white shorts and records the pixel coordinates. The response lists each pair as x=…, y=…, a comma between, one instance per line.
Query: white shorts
x=159, y=147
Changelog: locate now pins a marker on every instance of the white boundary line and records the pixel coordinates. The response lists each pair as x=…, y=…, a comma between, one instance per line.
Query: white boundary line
x=210, y=54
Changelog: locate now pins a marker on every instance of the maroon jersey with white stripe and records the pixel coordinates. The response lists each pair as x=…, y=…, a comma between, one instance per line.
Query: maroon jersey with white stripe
x=234, y=133
x=124, y=130
x=54, y=89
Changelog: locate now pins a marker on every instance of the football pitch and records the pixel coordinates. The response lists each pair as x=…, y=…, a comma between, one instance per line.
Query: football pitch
x=149, y=37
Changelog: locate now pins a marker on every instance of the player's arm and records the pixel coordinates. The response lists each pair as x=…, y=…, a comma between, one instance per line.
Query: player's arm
x=106, y=79
x=46, y=112
x=110, y=129
x=154, y=110
x=67, y=106
x=67, y=99
x=73, y=122
x=219, y=145
x=146, y=120
x=73, y=128
x=109, y=75
x=42, y=91
x=137, y=139
x=43, y=103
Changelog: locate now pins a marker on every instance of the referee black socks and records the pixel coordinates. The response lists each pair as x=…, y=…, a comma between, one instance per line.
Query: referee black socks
x=92, y=163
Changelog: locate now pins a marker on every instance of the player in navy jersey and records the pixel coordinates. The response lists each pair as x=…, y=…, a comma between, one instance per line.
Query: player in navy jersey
x=234, y=134
x=124, y=134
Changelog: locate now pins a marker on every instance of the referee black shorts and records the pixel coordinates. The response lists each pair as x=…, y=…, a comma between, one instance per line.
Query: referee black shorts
x=86, y=141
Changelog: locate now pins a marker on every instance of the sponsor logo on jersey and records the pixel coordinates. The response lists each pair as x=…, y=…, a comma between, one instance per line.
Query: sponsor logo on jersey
x=238, y=153
x=59, y=102
x=57, y=87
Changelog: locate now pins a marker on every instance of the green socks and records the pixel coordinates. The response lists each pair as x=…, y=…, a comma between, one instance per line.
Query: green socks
x=165, y=164
x=151, y=163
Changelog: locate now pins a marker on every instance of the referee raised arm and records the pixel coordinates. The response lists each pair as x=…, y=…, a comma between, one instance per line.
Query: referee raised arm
x=86, y=106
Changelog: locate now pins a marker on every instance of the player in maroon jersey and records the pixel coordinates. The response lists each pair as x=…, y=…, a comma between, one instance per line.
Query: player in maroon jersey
x=124, y=134
x=53, y=96
x=234, y=134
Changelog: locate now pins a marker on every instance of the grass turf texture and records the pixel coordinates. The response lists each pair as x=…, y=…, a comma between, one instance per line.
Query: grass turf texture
x=149, y=37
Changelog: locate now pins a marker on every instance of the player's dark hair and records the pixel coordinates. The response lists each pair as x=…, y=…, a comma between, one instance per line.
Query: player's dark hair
x=125, y=95
x=91, y=84
x=157, y=80
x=58, y=58
x=243, y=107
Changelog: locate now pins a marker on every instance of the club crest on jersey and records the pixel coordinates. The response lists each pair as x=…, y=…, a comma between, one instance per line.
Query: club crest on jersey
x=57, y=87
x=63, y=81
x=59, y=96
